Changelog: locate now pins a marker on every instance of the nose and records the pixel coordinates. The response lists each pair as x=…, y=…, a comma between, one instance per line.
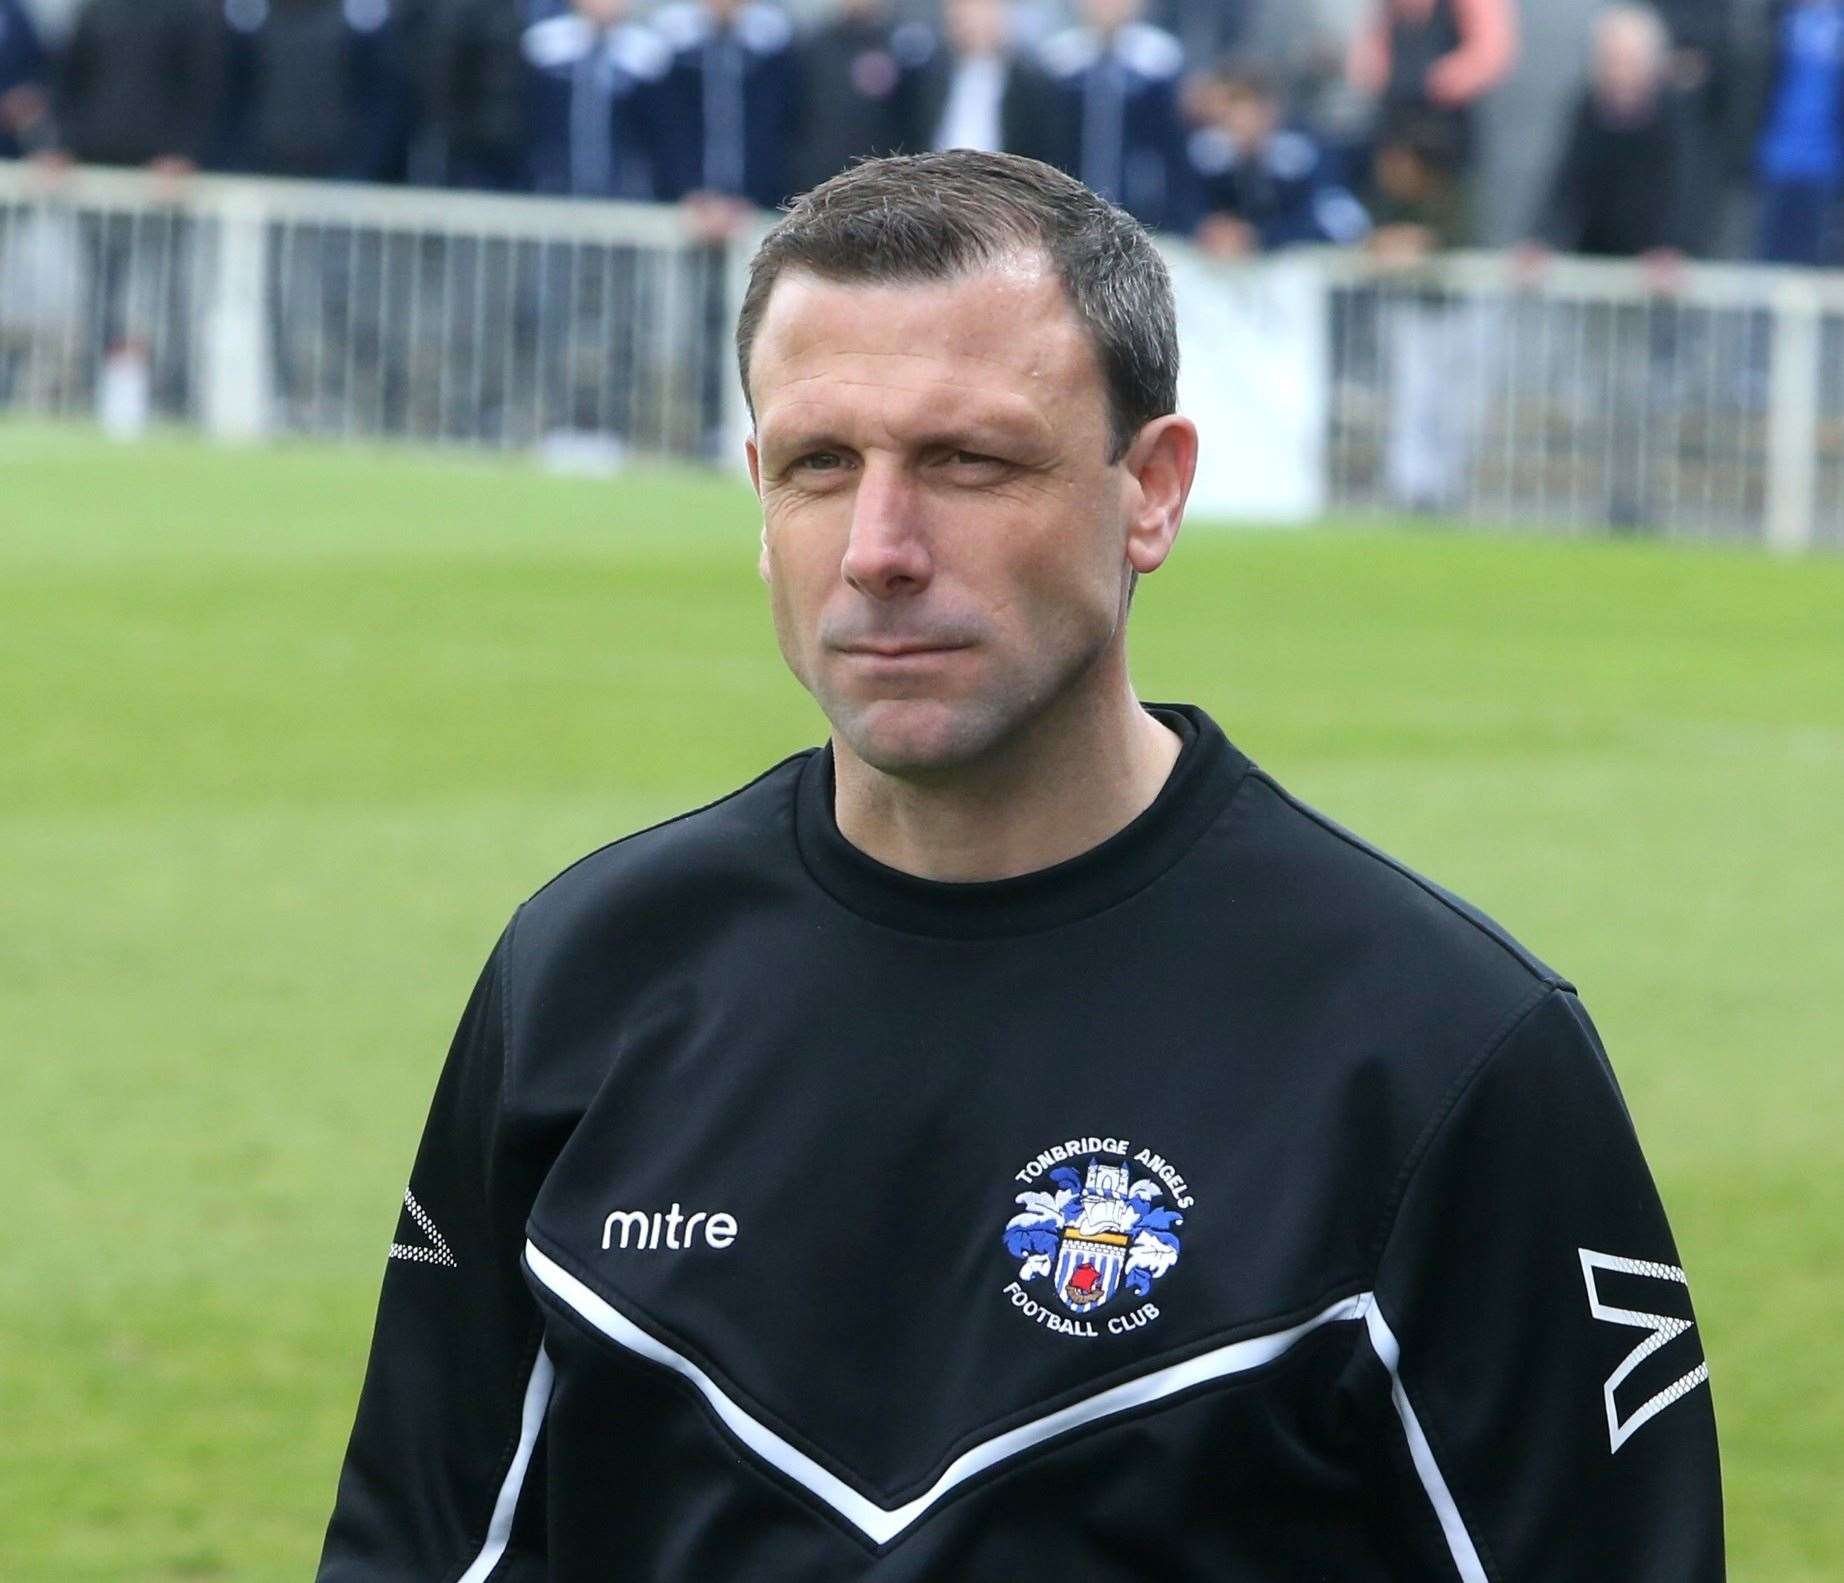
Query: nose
x=887, y=554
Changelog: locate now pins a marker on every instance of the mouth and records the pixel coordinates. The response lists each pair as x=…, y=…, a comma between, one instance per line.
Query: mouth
x=901, y=651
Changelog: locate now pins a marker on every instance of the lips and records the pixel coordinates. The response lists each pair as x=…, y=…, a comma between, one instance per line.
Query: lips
x=899, y=651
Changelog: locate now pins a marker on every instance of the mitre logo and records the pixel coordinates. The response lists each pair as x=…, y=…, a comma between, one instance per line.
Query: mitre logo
x=1099, y=1238
x=643, y=1229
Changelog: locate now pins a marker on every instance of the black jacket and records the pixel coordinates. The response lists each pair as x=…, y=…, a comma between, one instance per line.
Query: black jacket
x=472, y=76
x=1035, y=119
x=140, y=79
x=315, y=88
x=857, y=95
x=1226, y=1202
x=1620, y=189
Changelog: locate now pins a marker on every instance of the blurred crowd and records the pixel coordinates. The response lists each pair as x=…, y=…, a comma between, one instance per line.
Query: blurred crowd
x=1227, y=120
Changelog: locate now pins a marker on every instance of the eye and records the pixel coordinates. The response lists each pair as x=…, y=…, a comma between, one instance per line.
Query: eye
x=821, y=462
x=977, y=462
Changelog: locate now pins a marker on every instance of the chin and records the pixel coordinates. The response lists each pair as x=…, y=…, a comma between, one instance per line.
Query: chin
x=918, y=737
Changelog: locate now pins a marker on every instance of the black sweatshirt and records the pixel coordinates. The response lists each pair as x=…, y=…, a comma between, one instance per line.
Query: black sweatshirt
x=140, y=80
x=1224, y=1203
x=1619, y=188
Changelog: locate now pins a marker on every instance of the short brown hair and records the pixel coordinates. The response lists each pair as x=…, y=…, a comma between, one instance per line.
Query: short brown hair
x=925, y=217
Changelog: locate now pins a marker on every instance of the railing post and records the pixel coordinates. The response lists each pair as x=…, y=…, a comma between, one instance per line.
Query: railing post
x=236, y=372
x=1792, y=415
x=738, y=251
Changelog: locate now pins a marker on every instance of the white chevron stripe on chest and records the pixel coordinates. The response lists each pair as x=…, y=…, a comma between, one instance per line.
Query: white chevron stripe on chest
x=879, y=1523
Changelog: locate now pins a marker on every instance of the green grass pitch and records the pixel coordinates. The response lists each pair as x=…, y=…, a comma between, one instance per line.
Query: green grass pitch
x=284, y=736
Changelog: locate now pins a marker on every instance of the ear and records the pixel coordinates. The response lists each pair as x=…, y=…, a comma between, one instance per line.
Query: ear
x=754, y=458
x=1159, y=465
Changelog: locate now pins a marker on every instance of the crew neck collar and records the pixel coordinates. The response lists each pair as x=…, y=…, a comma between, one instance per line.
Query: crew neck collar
x=1196, y=791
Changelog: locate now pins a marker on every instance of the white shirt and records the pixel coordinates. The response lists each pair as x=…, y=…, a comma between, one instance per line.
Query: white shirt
x=970, y=115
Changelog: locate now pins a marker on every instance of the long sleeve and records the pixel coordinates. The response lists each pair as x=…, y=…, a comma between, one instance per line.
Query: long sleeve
x=1532, y=1328
x=22, y=56
x=443, y=1476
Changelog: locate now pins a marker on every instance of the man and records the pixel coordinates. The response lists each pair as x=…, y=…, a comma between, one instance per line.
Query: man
x=478, y=111
x=1016, y=1139
x=313, y=88
x=728, y=105
x=727, y=109
x=1420, y=59
x=1799, y=141
x=1623, y=187
x=1118, y=81
x=593, y=78
x=979, y=91
x=858, y=77
x=1263, y=185
x=1620, y=187
x=1441, y=347
x=138, y=83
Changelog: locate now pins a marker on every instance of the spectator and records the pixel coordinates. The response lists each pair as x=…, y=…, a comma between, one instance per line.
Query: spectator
x=1440, y=347
x=858, y=81
x=1118, y=78
x=1263, y=185
x=475, y=129
x=139, y=84
x=976, y=91
x=593, y=86
x=1618, y=190
x=727, y=108
x=1799, y=146
x=25, y=105
x=313, y=88
x=1433, y=58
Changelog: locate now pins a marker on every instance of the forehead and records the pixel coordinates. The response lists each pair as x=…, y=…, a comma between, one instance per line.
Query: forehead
x=1002, y=342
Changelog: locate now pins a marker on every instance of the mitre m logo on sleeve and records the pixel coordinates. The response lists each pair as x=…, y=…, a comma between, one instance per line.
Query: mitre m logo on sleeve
x=1098, y=1232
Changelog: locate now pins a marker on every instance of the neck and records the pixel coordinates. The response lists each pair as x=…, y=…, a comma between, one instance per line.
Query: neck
x=1080, y=773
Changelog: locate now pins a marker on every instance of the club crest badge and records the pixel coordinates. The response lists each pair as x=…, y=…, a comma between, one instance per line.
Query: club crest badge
x=1099, y=1231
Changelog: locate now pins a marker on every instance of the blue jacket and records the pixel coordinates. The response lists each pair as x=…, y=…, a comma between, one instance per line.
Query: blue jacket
x=1284, y=189
x=592, y=107
x=22, y=59
x=1125, y=137
x=1802, y=140
x=727, y=104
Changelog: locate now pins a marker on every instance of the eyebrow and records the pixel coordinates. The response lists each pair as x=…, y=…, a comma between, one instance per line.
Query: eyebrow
x=976, y=434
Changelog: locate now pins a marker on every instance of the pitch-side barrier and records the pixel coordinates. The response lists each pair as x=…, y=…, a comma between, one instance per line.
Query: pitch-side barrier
x=1571, y=396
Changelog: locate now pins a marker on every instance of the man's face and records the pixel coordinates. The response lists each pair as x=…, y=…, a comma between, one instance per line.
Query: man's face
x=976, y=27
x=944, y=539
x=1629, y=65
x=1250, y=118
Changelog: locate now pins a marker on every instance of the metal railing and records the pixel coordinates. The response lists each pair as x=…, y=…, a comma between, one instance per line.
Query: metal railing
x=1586, y=394
x=253, y=308
x=1578, y=398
